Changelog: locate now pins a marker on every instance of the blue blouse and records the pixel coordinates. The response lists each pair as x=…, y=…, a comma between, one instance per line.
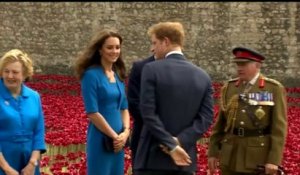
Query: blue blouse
x=21, y=118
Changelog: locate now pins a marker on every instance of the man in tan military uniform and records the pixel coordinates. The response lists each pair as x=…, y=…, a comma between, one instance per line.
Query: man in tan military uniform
x=252, y=123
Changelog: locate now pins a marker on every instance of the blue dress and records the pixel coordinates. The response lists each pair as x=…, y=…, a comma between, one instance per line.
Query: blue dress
x=21, y=127
x=100, y=95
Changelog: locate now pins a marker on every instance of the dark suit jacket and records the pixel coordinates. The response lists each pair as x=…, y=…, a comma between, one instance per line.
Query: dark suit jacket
x=133, y=96
x=176, y=100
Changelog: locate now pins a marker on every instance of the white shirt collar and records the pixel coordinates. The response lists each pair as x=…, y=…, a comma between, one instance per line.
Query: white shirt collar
x=174, y=52
x=252, y=82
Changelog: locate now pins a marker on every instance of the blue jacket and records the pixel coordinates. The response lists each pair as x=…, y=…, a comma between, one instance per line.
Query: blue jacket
x=21, y=123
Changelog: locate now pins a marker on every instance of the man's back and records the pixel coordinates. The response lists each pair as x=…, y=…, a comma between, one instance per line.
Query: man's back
x=176, y=106
x=179, y=91
x=176, y=101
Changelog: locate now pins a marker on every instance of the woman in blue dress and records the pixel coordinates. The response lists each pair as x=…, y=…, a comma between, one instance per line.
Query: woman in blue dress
x=101, y=71
x=21, y=117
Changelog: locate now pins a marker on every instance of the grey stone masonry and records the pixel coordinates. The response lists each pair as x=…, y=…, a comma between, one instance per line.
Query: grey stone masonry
x=53, y=33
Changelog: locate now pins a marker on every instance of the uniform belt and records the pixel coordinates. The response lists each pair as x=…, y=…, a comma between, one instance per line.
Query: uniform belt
x=242, y=132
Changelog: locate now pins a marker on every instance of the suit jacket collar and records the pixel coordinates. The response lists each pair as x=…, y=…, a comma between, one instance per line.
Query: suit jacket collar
x=151, y=58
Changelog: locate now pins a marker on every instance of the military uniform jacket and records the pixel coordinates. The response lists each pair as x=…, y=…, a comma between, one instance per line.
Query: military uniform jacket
x=243, y=154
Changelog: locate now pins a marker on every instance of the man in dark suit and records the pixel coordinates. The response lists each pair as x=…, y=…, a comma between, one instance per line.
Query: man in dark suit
x=176, y=106
x=133, y=96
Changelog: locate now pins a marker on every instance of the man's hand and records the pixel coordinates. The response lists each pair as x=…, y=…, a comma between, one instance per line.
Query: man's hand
x=178, y=154
x=180, y=157
x=271, y=169
x=165, y=149
x=212, y=165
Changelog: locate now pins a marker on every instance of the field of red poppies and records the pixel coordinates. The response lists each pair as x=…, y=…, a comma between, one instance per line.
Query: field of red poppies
x=66, y=125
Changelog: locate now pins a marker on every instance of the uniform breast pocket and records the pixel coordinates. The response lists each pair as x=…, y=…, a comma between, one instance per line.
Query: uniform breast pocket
x=257, y=151
x=226, y=151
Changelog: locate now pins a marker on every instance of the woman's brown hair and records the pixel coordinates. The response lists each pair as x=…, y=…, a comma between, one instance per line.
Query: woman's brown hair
x=91, y=57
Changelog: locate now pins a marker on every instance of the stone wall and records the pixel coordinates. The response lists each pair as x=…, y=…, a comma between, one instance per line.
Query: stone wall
x=53, y=33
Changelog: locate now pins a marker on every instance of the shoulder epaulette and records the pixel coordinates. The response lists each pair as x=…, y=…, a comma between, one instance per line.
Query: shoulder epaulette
x=272, y=81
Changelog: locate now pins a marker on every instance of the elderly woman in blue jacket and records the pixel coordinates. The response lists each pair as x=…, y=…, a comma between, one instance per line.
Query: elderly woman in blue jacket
x=21, y=117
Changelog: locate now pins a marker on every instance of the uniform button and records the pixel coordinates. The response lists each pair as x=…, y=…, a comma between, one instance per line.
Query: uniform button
x=262, y=144
x=243, y=110
x=242, y=123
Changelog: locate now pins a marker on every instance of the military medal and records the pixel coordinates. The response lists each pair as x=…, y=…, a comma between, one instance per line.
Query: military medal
x=260, y=113
x=252, y=102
